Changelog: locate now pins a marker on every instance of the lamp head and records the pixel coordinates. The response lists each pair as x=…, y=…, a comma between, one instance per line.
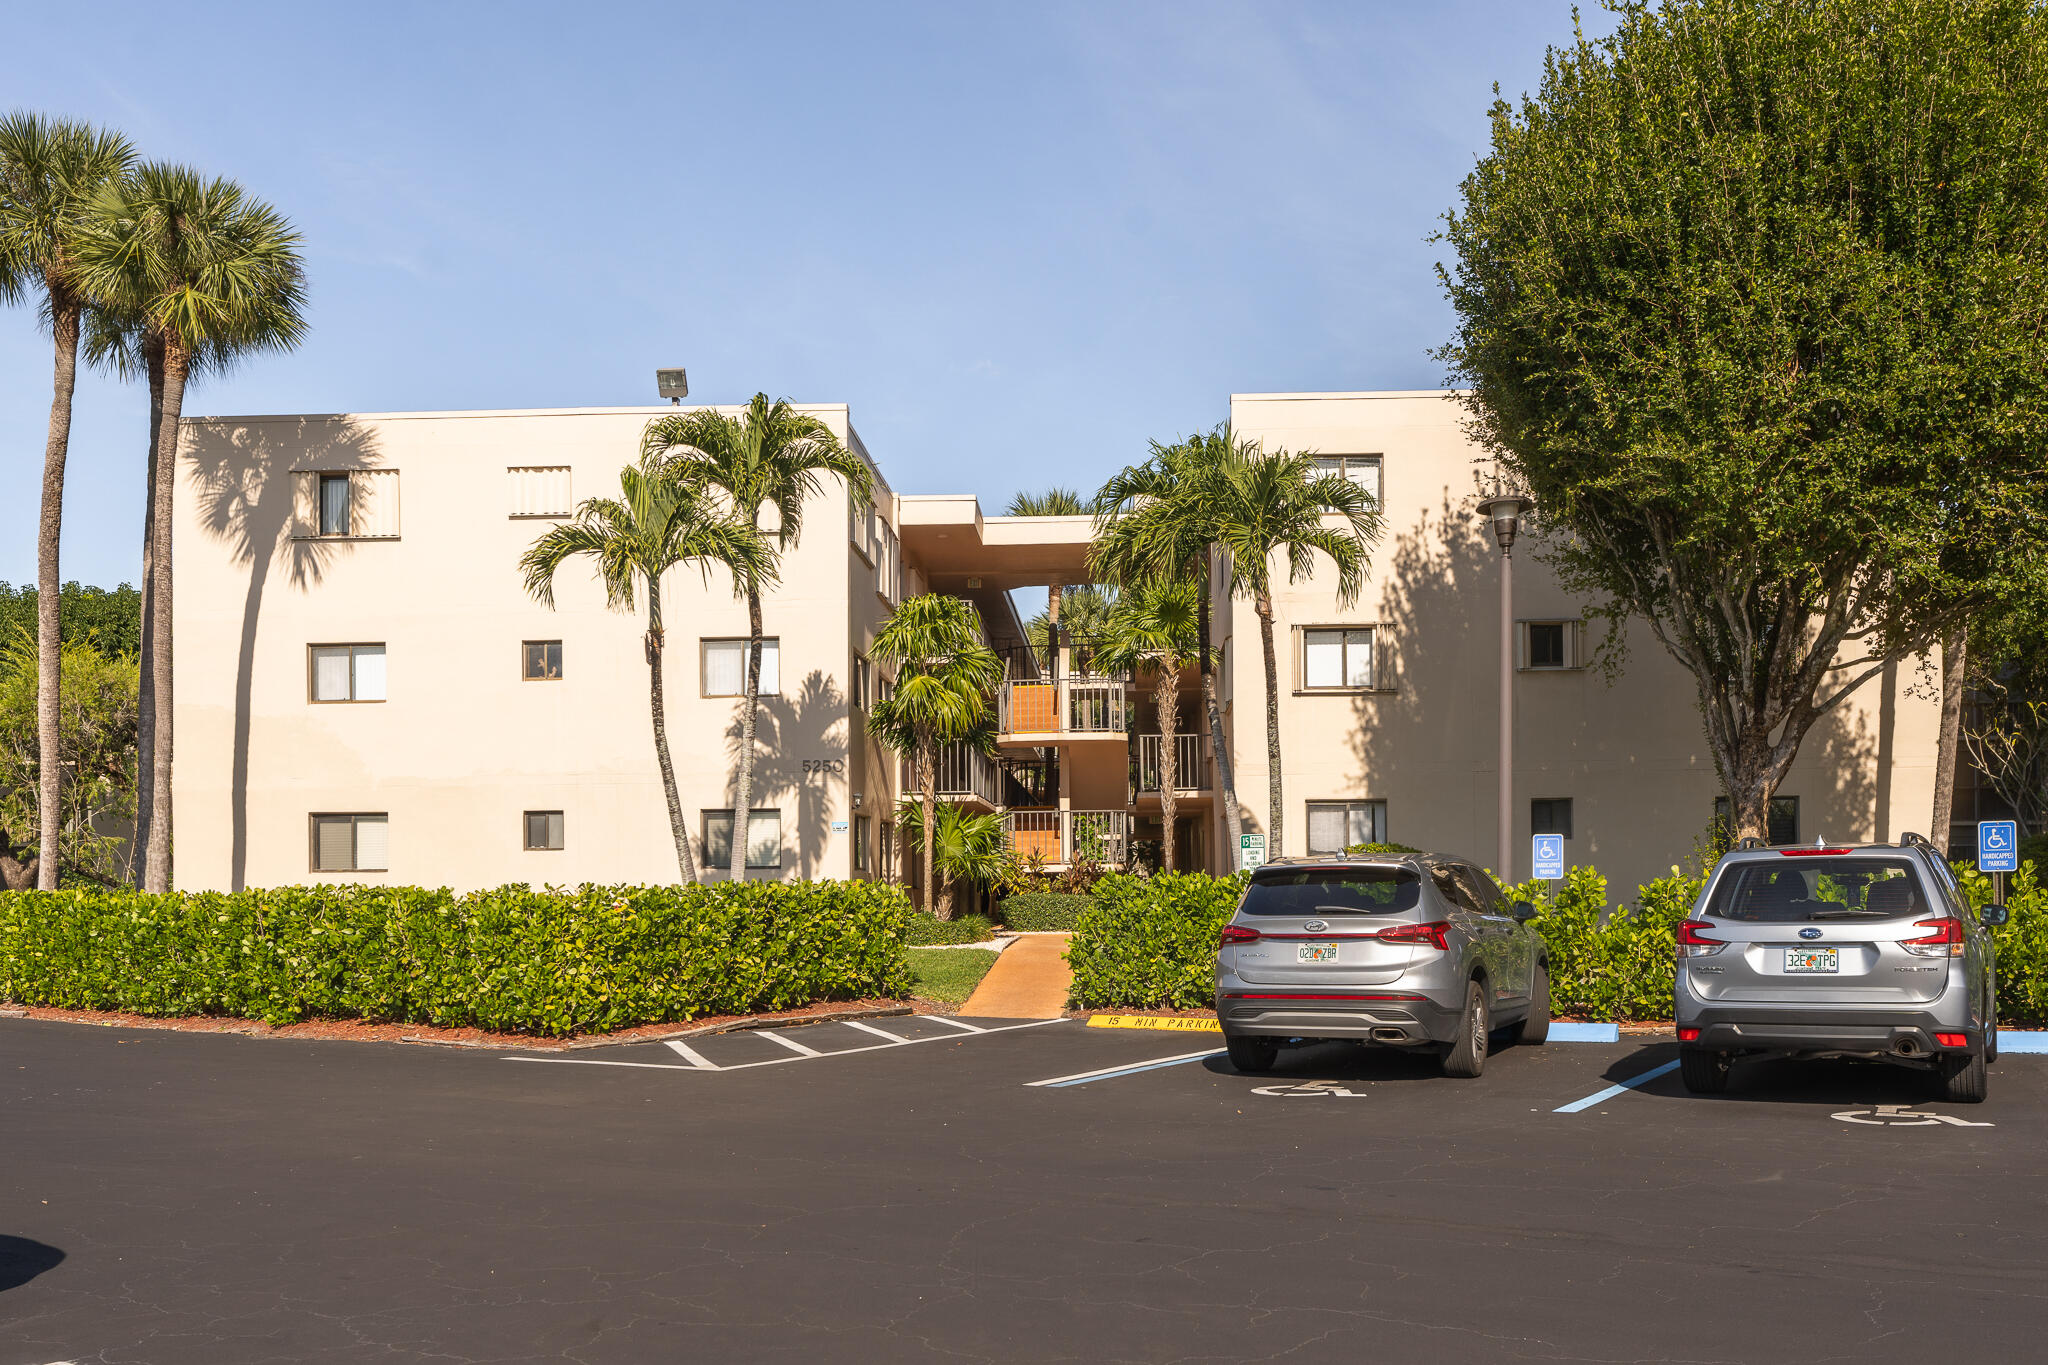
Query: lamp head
x=1505, y=512
x=673, y=384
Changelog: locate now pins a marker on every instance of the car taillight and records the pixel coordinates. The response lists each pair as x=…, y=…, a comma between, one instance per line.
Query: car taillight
x=1693, y=941
x=1946, y=941
x=1436, y=934
x=1688, y=1035
x=1237, y=933
x=1952, y=1040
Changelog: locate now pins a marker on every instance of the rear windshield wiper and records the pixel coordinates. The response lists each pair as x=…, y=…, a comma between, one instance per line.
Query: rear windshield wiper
x=1851, y=912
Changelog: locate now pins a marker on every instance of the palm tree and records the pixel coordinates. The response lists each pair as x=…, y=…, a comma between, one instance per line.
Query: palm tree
x=1157, y=520
x=657, y=523
x=1053, y=502
x=969, y=848
x=51, y=174
x=196, y=273
x=945, y=675
x=769, y=458
x=1152, y=627
x=1275, y=504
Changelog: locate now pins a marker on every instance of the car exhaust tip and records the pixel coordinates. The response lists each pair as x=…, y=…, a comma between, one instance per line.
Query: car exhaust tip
x=1906, y=1047
x=1389, y=1035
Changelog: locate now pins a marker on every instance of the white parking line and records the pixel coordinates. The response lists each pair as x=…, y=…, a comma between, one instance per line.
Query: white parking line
x=949, y=1019
x=779, y=1061
x=1129, y=1069
x=792, y=1044
x=878, y=1032
x=694, y=1057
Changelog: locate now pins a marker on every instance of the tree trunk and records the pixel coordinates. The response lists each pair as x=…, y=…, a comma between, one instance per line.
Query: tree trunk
x=928, y=791
x=49, y=616
x=685, y=865
x=1226, y=786
x=743, y=783
x=145, y=712
x=156, y=865
x=1954, y=662
x=1169, y=725
x=1275, y=811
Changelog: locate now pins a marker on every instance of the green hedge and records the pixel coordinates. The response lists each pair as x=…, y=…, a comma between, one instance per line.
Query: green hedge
x=2022, y=941
x=929, y=930
x=1042, y=910
x=1623, y=969
x=548, y=962
x=1149, y=943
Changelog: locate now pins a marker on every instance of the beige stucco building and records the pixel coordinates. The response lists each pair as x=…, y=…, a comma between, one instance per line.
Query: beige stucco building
x=365, y=691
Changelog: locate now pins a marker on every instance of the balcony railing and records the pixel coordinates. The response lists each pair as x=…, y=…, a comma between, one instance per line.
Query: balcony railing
x=1068, y=706
x=1190, y=763
x=1060, y=836
x=964, y=772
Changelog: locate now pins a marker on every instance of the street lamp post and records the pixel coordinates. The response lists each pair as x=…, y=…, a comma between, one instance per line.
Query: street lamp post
x=1505, y=512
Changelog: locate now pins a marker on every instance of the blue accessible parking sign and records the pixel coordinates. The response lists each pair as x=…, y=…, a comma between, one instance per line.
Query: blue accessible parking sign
x=1547, y=855
x=1998, y=846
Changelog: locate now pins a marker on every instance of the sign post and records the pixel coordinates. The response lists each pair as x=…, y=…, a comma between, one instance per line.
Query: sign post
x=1251, y=850
x=1998, y=851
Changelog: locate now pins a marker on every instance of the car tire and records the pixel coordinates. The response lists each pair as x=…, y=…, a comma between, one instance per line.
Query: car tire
x=1251, y=1055
x=1991, y=1041
x=1535, y=1025
x=1704, y=1072
x=1962, y=1080
x=1466, y=1055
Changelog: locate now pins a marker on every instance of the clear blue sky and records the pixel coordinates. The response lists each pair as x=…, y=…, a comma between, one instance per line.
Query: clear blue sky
x=1019, y=240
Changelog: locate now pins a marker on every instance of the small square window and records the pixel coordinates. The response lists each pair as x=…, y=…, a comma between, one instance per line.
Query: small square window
x=345, y=673
x=725, y=667
x=1551, y=645
x=1334, y=826
x=1551, y=815
x=1339, y=660
x=544, y=829
x=351, y=843
x=334, y=505
x=543, y=660
x=764, y=839
x=1782, y=823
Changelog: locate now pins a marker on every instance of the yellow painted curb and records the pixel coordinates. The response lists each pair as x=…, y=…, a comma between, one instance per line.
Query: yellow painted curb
x=1150, y=1021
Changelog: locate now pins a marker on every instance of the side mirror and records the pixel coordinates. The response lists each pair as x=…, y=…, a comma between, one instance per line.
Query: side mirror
x=1524, y=912
x=1991, y=916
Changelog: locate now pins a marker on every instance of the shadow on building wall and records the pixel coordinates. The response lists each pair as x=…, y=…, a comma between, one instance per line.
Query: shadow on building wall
x=789, y=731
x=242, y=476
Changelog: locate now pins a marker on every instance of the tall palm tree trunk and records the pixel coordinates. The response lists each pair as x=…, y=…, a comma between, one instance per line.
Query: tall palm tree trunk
x=685, y=865
x=1169, y=725
x=145, y=710
x=928, y=792
x=1226, y=785
x=156, y=864
x=1274, y=807
x=743, y=783
x=1948, y=741
x=49, y=653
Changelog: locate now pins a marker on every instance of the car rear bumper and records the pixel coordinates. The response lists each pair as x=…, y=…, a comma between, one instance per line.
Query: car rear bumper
x=1411, y=1020
x=1896, y=1032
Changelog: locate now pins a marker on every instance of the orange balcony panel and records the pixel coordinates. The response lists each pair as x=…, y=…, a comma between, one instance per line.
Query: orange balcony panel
x=1034, y=709
x=1043, y=842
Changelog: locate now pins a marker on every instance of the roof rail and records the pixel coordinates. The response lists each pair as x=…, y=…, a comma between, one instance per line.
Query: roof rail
x=1750, y=841
x=1912, y=840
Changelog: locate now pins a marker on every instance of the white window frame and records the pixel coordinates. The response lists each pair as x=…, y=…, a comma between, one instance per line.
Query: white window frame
x=1352, y=467
x=771, y=647
x=356, y=821
x=1347, y=805
x=1345, y=646
x=715, y=859
x=516, y=472
x=1574, y=645
x=313, y=697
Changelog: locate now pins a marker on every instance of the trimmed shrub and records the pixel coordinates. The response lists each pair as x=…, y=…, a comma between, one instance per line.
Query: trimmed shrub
x=929, y=930
x=1038, y=910
x=1150, y=942
x=592, y=959
x=2022, y=941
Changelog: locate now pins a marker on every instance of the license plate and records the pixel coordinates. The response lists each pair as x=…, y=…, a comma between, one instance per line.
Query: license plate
x=1321, y=953
x=1809, y=960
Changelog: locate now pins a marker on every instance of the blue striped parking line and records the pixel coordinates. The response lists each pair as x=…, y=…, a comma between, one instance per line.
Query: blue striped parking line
x=1611, y=1091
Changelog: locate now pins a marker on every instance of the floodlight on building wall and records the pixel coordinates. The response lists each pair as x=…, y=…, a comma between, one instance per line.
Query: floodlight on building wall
x=674, y=385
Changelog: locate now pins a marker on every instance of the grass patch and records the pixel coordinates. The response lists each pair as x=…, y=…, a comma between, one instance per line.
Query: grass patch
x=949, y=975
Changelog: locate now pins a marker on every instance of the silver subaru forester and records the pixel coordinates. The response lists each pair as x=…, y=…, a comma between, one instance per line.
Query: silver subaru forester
x=1867, y=951
x=1419, y=952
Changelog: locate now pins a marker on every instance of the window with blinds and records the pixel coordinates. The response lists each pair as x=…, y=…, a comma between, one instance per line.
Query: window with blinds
x=725, y=667
x=540, y=490
x=1337, y=659
x=345, y=504
x=345, y=673
x=1363, y=470
x=544, y=830
x=352, y=843
x=1334, y=826
x=764, y=839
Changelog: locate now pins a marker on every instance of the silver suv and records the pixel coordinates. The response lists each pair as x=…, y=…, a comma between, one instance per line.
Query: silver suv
x=1419, y=952
x=1866, y=951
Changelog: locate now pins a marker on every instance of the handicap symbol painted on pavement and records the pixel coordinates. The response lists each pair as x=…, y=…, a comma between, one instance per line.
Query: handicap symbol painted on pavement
x=1310, y=1089
x=1904, y=1116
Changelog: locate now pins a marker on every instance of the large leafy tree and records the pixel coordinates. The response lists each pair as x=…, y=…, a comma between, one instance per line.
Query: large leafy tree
x=1152, y=630
x=764, y=465
x=1752, y=297
x=946, y=676
x=95, y=747
x=51, y=175
x=192, y=274
x=657, y=523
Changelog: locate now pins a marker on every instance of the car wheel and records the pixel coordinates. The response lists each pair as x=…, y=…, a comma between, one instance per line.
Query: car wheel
x=1467, y=1055
x=1251, y=1054
x=1535, y=1026
x=1704, y=1072
x=1962, y=1080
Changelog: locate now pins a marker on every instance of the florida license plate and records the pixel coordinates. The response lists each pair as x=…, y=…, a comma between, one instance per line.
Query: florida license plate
x=1320, y=953
x=1810, y=960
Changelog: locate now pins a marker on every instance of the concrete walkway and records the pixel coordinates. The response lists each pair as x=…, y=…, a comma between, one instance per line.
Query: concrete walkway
x=1029, y=981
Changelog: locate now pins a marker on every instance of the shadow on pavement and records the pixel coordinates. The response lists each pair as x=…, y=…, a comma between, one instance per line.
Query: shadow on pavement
x=1335, y=1060
x=21, y=1260
x=1832, y=1081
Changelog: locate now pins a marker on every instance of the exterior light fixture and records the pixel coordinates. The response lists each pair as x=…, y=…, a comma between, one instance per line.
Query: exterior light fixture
x=674, y=385
x=1505, y=512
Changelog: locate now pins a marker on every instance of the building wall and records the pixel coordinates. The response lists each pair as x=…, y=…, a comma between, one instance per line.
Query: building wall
x=1631, y=754
x=463, y=746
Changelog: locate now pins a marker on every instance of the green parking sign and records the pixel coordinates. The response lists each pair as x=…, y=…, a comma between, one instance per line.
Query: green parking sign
x=1251, y=851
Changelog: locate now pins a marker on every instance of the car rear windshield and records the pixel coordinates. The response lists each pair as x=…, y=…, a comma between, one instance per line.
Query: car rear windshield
x=1333, y=891
x=1794, y=890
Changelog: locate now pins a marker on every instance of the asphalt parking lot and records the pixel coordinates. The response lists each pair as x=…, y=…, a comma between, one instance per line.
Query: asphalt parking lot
x=928, y=1192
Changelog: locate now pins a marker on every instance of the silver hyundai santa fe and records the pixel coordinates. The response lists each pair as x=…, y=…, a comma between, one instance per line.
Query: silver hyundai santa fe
x=1418, y=952
x=1866, y=951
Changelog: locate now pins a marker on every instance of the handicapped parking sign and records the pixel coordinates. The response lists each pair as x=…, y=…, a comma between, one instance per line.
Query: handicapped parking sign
x=1547, y=855
x=1998, y=846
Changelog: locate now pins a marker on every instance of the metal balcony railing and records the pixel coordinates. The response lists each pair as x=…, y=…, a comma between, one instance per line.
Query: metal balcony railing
x=964, y=773
x=1060, y=836
x=1068, y=706
x=1190, y=763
